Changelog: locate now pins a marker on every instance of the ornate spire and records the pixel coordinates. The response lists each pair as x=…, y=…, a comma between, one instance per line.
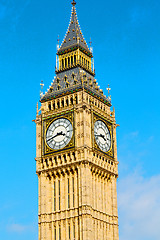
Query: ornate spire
x=73, y=35
x=74, y=65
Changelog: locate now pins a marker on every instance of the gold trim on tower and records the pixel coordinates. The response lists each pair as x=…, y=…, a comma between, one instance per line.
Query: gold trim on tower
x=46, y=123
x=110, y=152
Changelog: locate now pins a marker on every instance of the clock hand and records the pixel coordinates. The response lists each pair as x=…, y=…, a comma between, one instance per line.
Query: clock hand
x=102, y=136
x=58, y=134
x=61, y=133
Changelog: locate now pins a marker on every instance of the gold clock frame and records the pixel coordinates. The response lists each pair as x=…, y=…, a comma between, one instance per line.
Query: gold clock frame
x=96, y=117
x=45, y=125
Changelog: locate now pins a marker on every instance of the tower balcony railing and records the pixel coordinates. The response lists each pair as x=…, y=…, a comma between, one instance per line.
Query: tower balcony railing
x=78, y=63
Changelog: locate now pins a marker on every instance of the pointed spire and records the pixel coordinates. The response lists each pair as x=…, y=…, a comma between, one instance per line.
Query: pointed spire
x=73, y=35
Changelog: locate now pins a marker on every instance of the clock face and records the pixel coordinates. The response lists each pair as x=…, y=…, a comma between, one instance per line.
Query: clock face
x=102, y=136
x=59, y=133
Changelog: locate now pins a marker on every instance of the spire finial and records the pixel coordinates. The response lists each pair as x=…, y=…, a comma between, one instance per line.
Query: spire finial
x=90, y=42
x=58, y=43
x=91, y=48
x=108, y=89
x=73, y=3
x=42, y=85
x=58, y=40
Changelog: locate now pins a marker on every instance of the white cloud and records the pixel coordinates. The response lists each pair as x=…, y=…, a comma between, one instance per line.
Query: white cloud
x=139, y=207
x=17, y=228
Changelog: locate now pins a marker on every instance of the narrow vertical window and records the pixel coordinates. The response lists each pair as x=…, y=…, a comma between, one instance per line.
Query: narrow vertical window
x=55, y=233
x=76, y=99
x=74, y=232
x=59, y=232
x=65, y=62
x=59, y=193
x=73, y=189
x=54, y=106
x=54, y=196
x=71, y=100
x=68, y=195
x=49, y=106
x=69, y=232
x=62, y=102
x=67, y=102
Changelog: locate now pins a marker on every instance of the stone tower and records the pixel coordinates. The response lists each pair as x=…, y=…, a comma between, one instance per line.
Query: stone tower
x=76, y=151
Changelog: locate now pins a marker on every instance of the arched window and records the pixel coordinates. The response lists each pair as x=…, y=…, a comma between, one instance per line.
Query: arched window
x=65, y=62
x=67, y=103
x=58, y=104
x=62, y=102
x=62, y=63
x=74, y=59
x=72, y=100
x=54, y=106
x=71, y=60
x=49, y=106
x=76, y=99
x=68, y=61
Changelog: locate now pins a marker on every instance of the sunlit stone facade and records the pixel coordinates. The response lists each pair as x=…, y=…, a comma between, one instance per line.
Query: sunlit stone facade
x=77, y=177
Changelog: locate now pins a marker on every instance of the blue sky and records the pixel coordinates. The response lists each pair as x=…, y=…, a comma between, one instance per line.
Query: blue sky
x=125, y=36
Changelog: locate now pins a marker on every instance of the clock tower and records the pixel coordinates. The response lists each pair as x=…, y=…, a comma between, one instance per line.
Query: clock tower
x=76, y=151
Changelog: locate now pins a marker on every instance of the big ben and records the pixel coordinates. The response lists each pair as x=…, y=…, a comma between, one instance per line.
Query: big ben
x=76, y=149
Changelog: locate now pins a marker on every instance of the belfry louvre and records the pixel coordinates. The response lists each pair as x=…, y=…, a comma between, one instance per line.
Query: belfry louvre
x=76, y=149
